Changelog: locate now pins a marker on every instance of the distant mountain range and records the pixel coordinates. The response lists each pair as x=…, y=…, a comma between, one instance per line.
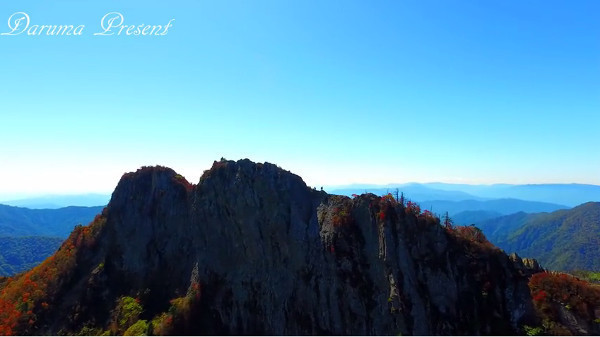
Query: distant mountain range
x=60, y=201
x=416, y=192
x=500, y=206
x=561, y=240
x=561, y=194
x=17, y=221
x=564, y=194
x=456, y=203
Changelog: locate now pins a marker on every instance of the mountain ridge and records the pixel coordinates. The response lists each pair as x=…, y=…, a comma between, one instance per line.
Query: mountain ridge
x=21, y=221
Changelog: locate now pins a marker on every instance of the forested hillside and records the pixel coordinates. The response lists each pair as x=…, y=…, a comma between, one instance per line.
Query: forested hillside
x=563, y=240
x=18, y=254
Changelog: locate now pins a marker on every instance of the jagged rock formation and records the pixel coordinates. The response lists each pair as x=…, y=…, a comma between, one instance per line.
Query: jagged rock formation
x=273, y=256
x=526, y=266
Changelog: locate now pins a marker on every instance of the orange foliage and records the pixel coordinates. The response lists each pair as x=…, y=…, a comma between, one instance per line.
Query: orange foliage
x=429, y=216
x=386, y=205
x=413, y=208
x=471, y=234
x=25, y=296
x=549, y=289
x=9, y=316
x=342, y=215
x=180, y=179
x=388, y=198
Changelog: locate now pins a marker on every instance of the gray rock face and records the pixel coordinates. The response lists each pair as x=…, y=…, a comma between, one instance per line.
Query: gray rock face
x=276, y=257
x=525, y=266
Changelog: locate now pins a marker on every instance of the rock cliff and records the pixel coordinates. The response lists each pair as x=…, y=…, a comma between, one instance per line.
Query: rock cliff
x=268, y=255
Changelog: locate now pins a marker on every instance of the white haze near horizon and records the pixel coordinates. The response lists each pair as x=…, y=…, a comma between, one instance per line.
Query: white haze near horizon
x=61, y=188
x=102, y=177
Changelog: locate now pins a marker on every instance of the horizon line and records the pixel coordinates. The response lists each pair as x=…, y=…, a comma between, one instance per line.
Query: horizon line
x=18, y=196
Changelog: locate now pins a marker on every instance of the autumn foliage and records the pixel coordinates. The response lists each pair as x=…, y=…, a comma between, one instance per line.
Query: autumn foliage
x=24, y=298
x=549, y=290
x=472, y=235
x=180, y=314
x=387, y=205
x=413, y=208
x=181, y=179
x=9, y=316
x=342, y=215
x=429, y=217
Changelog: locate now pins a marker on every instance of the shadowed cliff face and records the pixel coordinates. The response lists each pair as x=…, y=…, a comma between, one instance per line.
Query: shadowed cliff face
x=273, y=256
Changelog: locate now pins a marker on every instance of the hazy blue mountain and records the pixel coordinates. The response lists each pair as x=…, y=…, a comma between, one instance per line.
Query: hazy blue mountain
x=412, y=191
x=18, y=221
x=473, y=217
x=561, y=240
x=564, y=194
x=502, y=206
x=465, y=208
x=19, y=254
x=59, y=201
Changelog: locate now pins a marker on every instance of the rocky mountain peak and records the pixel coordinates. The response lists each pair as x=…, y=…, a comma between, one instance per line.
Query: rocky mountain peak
x=251, y=249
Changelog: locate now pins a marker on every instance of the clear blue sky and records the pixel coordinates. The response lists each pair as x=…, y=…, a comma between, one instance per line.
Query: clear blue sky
x=338, y=92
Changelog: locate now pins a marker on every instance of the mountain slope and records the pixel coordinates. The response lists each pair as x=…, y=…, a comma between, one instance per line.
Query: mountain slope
x=252, y=250
x=500, y=228
x=19, y=254
x=562, y=240
x=17, y=221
